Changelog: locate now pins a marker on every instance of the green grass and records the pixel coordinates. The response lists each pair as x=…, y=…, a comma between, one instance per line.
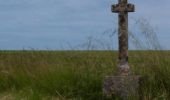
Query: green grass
x=78, y=75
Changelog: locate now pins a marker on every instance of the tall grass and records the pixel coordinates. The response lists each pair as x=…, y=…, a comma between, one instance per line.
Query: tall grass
x=78, y=75
x=59, y=74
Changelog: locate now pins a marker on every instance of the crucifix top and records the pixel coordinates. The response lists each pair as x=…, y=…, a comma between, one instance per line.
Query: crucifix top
x=123, y=6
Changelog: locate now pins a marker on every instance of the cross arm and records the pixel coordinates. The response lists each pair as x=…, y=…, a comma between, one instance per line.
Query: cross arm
x=116, y=8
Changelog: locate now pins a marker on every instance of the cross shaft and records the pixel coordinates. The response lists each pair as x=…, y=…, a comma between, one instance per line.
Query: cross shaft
x=122, y=8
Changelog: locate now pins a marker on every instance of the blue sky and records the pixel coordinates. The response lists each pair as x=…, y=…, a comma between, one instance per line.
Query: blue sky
x=55, y=24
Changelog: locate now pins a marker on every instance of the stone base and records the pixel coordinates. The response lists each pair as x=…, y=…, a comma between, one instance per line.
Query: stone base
x=123, y=86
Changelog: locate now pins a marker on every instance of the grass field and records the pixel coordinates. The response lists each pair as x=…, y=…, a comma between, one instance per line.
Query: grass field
x=78, y=75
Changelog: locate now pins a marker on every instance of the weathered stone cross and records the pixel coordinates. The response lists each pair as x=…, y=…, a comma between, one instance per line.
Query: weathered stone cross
x=124, y=84
x=123, y=8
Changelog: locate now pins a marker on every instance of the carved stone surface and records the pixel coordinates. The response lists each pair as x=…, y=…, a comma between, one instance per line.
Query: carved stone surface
x=123, y=69
x=123, y=86
x=122, y=8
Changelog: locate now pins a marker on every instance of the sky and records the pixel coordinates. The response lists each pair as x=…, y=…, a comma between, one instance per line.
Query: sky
x=65, y=24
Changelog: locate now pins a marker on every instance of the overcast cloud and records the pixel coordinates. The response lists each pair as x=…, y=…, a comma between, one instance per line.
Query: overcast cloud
x=42, y=24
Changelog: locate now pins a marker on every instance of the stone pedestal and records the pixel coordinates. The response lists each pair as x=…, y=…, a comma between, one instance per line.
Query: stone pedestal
x=123, y=86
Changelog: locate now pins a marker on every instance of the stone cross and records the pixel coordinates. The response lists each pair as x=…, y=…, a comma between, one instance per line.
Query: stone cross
x=122, y=8
x=124, y=84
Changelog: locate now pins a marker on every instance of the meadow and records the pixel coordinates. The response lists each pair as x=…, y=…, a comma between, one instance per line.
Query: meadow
x=78, y=75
